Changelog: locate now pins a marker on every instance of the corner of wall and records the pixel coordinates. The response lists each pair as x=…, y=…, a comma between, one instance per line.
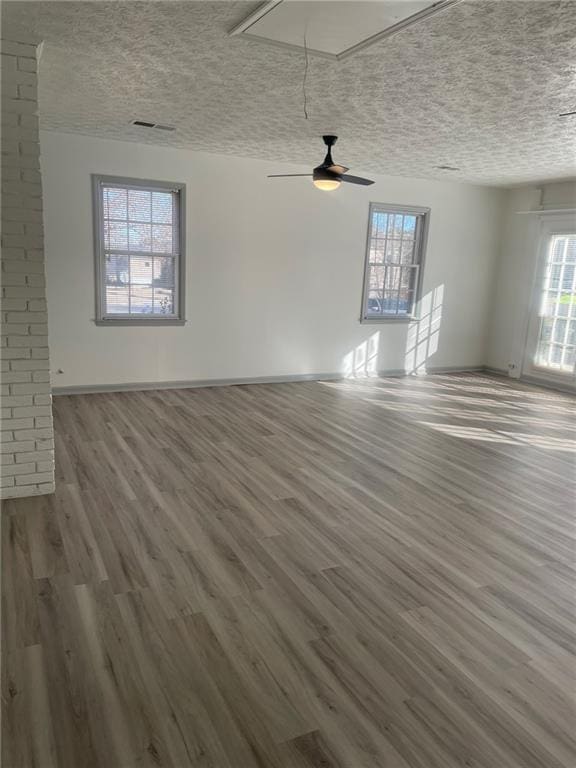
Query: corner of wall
x=26, y=420
x=500, y=229
x=503, y=350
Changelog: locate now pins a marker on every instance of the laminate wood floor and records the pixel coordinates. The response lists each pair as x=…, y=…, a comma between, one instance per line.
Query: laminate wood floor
x=360, y=574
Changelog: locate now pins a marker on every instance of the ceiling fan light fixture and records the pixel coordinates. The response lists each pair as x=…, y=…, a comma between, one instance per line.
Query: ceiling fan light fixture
x=328, y=176
x=324, y=178
x=327, y=185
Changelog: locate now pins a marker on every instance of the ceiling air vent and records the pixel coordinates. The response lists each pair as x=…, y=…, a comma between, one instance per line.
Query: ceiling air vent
x=158, y=126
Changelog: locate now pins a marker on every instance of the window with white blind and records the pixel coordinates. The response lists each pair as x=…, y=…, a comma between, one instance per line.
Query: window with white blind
x=394, y=262
x=139, y=235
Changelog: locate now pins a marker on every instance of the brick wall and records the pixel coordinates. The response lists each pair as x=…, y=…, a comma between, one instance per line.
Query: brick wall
x=26, y=418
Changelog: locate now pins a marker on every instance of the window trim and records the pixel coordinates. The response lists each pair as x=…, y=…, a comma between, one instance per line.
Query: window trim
x=421, y=244
x=97, y=215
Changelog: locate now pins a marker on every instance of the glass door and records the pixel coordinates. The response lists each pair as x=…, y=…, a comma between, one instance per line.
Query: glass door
x=551, y=344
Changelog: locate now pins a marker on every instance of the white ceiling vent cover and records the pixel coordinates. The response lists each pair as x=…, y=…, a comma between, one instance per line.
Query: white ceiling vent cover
x=334, y=28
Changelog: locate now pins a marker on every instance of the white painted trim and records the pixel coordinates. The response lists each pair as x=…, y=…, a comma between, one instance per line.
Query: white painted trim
x=547, y=211
x=179, y=188
x=83, y=389
x=435, y=369
x=89, y=389
x=558, y=225
x=532, y=380
x=548, y=383
x=498, y=371
x=86, y=389
x=422, y=215
x=244, y=26
x=416, y=18
x=253, y=17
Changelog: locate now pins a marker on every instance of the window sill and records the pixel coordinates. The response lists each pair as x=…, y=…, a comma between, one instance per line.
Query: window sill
x=378, y=320
x=134, y=322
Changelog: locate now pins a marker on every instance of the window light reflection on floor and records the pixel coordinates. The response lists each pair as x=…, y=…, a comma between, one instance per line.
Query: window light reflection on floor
x=424, y=332
x=494, y=436
x=362, y=362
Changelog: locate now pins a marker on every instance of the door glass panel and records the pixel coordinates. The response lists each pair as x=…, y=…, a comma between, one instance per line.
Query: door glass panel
x=555, y=348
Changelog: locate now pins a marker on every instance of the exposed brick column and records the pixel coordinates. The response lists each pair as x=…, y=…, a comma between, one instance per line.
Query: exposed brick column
x=26, y=419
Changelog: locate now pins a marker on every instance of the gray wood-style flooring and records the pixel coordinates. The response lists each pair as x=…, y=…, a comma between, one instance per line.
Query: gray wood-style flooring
x=356, y=574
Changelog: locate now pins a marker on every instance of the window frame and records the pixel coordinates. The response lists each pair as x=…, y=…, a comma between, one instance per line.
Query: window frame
x=101, y=318
x=421, y=239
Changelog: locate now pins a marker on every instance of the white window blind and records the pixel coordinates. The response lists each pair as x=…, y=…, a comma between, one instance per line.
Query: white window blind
x=556, y=346
x=139, y=236
x=394, y=260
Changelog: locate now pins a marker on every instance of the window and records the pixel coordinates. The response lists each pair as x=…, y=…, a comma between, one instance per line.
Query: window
x=139, y=235
x=556, y=341
x=394, y=259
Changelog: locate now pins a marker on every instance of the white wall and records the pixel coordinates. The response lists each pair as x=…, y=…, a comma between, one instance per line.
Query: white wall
x=274, y=270
x=516, y=270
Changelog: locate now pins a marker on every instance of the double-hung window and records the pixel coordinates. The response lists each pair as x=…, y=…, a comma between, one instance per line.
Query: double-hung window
x=139, y=236
x=394, y=261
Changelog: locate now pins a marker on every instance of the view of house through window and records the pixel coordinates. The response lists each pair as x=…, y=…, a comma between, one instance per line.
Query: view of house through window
x=393, y=262
x=556, y=347
x=139, y=237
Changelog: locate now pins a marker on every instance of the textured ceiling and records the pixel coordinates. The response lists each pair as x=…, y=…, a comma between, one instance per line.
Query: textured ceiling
x=478, y=86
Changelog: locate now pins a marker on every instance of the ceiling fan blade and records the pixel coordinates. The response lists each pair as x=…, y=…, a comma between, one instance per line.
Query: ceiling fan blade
x=336, y=168
x=286, y=175
x=355, y=180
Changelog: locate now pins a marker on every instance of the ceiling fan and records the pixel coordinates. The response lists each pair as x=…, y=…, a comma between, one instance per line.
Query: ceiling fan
x=328, y=175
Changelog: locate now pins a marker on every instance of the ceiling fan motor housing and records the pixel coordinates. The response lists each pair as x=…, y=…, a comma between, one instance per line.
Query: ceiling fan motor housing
x=329, y=140
x=321, y=172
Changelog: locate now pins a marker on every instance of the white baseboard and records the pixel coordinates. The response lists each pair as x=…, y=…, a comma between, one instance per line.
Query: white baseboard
x=497, y=371
x=455, y=369
x=89, y=389
x=534, y=381
x=558, y=386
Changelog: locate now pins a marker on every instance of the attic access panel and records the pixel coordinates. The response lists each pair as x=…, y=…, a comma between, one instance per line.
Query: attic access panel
x=334, y=28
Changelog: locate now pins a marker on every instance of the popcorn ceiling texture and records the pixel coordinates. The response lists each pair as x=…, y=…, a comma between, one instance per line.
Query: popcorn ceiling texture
x=26, y=421
x=479, y=86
